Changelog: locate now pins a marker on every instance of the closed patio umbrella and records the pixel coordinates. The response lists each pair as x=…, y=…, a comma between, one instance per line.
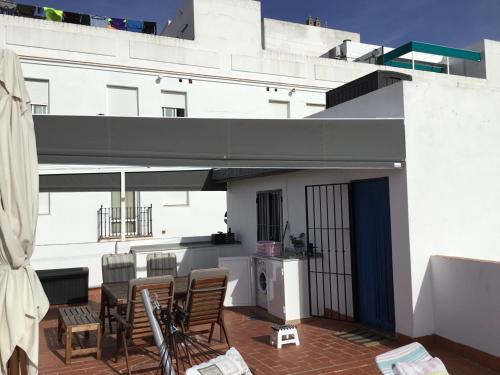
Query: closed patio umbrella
x=22, y=300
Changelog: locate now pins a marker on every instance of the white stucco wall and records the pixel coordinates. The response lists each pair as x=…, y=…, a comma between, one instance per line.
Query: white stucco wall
x=451, y=151
x=467, y=302
x=302, y=39
x=242, y=218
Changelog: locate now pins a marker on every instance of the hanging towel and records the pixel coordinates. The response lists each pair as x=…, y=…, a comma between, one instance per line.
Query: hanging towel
x=8, y=7
x=70, y=17
x=52, y=14
x=149, y=27
x=25, y=10
x=40, y=13
x=98, y=21
x=85, y=20
x=117, y=23
x=135, y=26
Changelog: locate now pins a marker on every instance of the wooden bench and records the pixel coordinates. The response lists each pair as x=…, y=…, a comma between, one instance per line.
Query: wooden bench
x=79, y=319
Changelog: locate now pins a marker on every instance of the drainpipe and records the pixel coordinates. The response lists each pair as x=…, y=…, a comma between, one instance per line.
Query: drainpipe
x=122, y=206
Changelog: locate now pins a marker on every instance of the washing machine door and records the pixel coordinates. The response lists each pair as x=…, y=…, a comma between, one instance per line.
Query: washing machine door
x=262, y=281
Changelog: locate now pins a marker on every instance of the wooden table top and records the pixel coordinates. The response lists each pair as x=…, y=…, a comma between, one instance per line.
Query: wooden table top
x=78, y=316
x=117, y=292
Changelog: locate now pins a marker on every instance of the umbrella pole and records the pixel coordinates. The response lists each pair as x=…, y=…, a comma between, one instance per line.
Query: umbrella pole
x=18, y=364
x=123, y=207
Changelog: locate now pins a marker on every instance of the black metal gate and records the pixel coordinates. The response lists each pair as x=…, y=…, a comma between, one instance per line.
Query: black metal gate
x=330, y=259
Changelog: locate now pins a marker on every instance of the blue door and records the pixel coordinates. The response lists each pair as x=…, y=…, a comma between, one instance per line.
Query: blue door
x=373, y=253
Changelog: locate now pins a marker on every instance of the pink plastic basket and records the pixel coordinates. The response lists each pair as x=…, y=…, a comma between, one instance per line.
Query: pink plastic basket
x=269, y=248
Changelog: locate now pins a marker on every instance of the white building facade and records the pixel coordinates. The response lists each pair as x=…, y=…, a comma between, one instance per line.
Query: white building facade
x=219, y=59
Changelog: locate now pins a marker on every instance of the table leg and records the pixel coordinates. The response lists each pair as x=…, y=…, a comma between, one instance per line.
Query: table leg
x=59, y=328
x=68, y=344
x=101, y=314
x=98, y=342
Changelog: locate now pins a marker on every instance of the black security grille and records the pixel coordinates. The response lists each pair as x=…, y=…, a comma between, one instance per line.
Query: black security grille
x=138, y=222
x=331, y=290
x=269, y=215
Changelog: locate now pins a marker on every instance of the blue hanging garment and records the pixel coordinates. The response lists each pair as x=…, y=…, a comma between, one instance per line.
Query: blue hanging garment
x=135, y=26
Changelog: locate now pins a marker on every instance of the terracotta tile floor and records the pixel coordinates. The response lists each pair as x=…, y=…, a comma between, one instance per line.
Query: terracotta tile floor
x=320, y=352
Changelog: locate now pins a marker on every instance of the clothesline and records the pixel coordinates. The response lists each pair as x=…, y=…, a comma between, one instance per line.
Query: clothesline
x=12, y=8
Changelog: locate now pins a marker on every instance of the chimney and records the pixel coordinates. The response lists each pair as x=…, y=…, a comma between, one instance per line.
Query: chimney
x=309, y=21
x=317, y=22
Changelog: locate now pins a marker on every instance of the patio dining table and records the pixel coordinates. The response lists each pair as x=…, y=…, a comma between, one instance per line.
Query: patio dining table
x=117, y=292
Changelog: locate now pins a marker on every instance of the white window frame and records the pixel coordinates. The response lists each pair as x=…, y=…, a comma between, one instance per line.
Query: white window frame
x=286, y=102
x=136, y=89
x=47, y=212
x=34, y=104
x=163, y=107
x=164, y=204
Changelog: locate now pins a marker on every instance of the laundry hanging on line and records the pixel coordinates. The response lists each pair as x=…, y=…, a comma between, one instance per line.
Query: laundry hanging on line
x=117, y=23
x=40, y=13
x=149, y=27
x=134, y=26
x=8, y=7
x=23, y=10
x=52, y=14
x=71, y=17
x=98, y=21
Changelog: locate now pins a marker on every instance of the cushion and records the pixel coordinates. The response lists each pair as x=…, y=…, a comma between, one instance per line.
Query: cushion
x=432, y=366
x=231, y=363
x=120, y=261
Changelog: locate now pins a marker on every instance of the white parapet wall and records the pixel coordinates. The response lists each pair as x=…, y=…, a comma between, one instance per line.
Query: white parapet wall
x=467, y=302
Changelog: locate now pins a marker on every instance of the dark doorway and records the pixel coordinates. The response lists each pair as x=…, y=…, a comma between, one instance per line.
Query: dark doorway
x=373, y=253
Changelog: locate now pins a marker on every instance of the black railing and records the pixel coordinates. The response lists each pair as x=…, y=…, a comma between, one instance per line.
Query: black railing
x=138, y=222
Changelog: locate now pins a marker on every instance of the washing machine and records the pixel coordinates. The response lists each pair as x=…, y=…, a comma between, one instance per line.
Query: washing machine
x=261, y=283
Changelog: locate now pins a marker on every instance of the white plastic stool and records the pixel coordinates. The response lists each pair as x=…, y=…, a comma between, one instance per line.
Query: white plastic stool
x=284, y=334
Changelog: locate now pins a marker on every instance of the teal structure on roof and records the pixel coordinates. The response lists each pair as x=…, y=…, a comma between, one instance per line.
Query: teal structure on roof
x=389, y=58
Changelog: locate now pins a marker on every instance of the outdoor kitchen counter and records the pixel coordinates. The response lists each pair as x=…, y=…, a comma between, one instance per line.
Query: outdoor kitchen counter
x=189, y=256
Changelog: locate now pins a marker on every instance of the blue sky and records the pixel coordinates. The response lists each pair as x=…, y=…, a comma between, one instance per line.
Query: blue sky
x=456, y=23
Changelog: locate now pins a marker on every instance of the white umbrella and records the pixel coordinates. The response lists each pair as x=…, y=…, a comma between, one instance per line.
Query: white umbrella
x=22, y=300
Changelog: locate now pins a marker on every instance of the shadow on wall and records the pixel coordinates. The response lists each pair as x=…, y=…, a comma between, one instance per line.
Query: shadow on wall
x=423, y=311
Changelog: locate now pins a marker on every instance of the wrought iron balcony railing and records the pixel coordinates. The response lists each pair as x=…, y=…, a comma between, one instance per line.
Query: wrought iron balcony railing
x=138, y=222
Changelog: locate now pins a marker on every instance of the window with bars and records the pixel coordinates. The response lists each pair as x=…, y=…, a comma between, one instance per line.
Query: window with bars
x=172, y=112
x=39, y=109
x=269, y=215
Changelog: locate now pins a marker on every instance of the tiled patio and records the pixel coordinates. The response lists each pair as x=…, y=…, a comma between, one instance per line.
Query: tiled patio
x=321, y=350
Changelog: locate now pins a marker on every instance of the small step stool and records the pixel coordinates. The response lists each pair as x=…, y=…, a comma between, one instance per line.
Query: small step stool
x=284, y=334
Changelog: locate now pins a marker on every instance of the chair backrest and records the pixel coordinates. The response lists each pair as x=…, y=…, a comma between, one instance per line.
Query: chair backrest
x=118, y=267
x=409, y=353
x=205, y=296
x=159, y=264
x=161, y=288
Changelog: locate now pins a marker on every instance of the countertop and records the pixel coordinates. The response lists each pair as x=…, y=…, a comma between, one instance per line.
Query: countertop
x=178, y=246
x=289, y=258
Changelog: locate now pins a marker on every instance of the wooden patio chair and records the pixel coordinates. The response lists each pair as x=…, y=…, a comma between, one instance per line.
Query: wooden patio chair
x=160, y=264
x=115, y=268
x=135, y=324
x=205, y=302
